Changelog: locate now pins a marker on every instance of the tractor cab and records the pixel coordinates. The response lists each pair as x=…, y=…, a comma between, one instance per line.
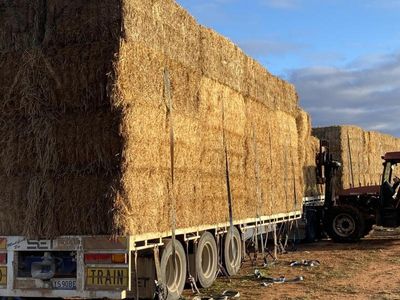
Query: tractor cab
x=389, y=202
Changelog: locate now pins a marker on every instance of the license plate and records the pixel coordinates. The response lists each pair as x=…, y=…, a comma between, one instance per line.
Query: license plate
x=107, y=277
x=64, y=284
x=3, y=275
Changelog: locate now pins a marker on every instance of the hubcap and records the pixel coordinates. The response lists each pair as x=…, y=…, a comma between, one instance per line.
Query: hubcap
x=234, y=253
x=173, y=273
x=207, y=260
x=344, y=225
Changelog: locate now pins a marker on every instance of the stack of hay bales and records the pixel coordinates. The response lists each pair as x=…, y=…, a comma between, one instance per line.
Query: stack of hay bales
x=87, y=125
x=308, y=149
x=359, y=151
x=59, y=134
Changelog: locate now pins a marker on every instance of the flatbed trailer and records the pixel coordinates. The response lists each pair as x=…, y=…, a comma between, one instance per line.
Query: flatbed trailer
x=106, y=267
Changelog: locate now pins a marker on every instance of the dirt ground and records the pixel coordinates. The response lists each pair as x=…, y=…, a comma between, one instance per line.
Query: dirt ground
x=369, y=269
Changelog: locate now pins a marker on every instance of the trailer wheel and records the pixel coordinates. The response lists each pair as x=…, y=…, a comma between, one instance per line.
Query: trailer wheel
x=206, y=260
x=232, y=252
x=173, y=276
x=345, y=224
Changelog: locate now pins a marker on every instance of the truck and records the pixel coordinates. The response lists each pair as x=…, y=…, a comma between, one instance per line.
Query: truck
x=125, y=266
x=347, y=215
x=148, y=266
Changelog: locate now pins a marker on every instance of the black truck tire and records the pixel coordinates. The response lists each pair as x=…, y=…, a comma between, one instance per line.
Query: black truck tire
x=344, y=224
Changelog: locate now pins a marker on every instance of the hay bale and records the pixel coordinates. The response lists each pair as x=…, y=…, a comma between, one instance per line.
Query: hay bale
x=39, y=80
x=85, y=122
x=359, y=152
x=221, y=60
x=164, y=27
x=27, y=24
x=308, y=148
x=43, y=144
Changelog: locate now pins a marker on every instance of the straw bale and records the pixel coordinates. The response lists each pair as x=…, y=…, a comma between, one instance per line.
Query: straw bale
x=76, y=22
x=13, y=203
x=260, y=85
x=212, y=187
x=359, y=151
x=234, y=128
x=41, y=205
x=95, y=144
x=166, y=28
x=73, y=78
x=18, y=18
x=58, y=23
x=308, y=148
x=221, y=60
x=311, y=188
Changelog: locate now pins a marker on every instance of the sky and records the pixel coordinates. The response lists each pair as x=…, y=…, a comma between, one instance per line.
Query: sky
x=342, y=56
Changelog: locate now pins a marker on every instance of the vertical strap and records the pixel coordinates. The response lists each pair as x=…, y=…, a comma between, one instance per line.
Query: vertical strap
x=191, y=279
x=272, y=202
x=271, y=198
x=296, y=204
x=156, y=253
x=262, y=243
x=259, y=190
x=275, y=243
x=227, y=177
x=167, y=91
x=221, y=270
x=294, y=175
x=136, y=274
x=286, y=167
x=161, y=289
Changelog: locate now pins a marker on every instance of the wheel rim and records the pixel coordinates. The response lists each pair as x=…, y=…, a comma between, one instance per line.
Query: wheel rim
x=207, y=260
x=234, y=253
x=173, y=274
x=344, y=225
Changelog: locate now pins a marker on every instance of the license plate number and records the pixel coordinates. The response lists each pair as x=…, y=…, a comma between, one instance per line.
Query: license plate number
x=64, y=284
x=107, y=277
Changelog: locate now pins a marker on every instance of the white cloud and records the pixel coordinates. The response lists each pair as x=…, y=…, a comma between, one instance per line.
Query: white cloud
x=368, y=96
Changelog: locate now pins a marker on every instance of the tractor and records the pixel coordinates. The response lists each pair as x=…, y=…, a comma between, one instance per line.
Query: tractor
x=348, y=215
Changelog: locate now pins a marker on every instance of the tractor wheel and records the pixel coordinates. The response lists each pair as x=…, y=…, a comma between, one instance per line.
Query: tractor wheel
x=344, y=224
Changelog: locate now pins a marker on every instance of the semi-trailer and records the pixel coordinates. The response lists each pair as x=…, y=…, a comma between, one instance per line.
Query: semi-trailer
x=136, y=146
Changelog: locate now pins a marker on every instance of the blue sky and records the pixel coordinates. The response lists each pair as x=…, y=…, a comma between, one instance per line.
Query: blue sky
x=342, y=56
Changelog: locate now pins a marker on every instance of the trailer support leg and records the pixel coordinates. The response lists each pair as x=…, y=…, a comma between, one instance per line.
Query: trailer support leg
x=275, y=243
